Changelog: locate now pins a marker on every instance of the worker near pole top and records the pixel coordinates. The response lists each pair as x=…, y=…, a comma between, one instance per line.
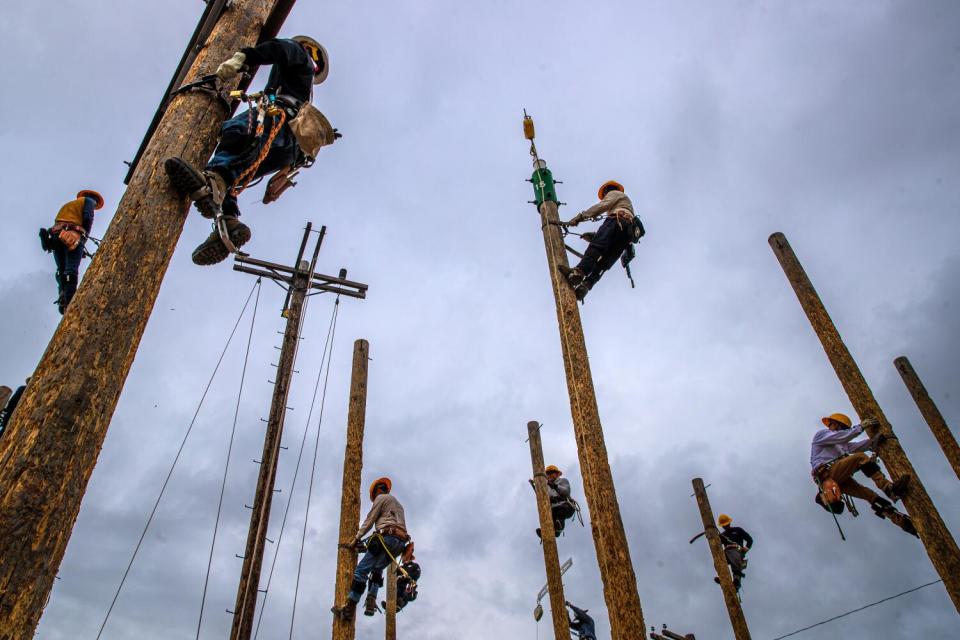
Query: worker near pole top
x=66, y=240
x=389, y=543
x=835, y=456
x=582, y=624
x=736, y=544
x=297, y=63
x=562, y=505
x=621, y=228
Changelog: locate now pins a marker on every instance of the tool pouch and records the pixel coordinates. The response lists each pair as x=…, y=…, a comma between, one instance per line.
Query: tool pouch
x=280, y=182
x=312, y=130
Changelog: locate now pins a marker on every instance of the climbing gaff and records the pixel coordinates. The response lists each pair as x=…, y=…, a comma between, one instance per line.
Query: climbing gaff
x=221, y=227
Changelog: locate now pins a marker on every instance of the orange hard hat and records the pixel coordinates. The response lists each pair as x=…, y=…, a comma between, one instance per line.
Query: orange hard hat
x=552, y=469
x=606, y=186
x=384, y=481
x=842, y=418
x=90, y=193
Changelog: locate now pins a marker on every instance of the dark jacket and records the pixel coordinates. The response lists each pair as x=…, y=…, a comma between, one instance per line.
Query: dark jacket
x=582, y=624
x=8, y=410
x=292, y=72
x=736, y=535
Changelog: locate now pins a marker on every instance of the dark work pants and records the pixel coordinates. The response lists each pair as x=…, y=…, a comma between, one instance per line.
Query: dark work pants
x=610, y=241
x=68, y=269
x=238, y=149
x=562, y=511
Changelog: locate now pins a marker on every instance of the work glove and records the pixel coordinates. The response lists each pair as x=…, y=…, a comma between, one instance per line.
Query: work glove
x=869, y=423
x=229, y=68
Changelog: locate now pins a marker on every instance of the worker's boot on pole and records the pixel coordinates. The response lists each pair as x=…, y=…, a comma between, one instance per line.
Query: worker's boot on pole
x=68, y=287
x=370, y=605
x=212, y=250
x=893, y=490
x=207, y=188
x=886, y=511
x=347, y=611
x=576, y=279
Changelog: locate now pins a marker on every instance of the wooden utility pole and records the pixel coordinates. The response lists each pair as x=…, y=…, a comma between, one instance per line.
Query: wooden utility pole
x=58, y=430
x=350, y=493
x=548, y=537
x=940, y=545
x=610, y=539
x=930, y=412
x=301, y=279
x=737, y=621
x=391, y=608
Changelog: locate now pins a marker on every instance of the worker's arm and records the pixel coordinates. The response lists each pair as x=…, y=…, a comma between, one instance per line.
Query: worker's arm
x=828, y=437
x=88, y=209
x=371, y=518
x=562, y=487
x=747, y=539
x=276, y=51
x=595, y=211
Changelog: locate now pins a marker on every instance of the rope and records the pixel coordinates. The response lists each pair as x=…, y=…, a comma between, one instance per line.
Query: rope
x=331, y=333
x=866, y=606
x=244, y=178
x=175, y=460
x=293, y=483
x=226, y=466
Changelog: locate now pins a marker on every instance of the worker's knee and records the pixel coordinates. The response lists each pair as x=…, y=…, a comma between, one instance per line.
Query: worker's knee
x=870, y=468
x=357, y=586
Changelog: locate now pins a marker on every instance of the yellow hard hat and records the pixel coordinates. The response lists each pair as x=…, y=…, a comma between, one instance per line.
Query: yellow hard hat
x=724, y=520
x=90, y=193
x=842, y=418
x=552, y=469
x=379, y=481
x=609, y=184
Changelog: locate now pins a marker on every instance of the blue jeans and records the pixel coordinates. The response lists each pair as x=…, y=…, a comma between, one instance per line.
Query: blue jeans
x=239, y=147
x=609, y=242
x=68, y=269
x=371, y=566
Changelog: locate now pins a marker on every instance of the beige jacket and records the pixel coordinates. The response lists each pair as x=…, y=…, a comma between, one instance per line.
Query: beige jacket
x=615, y=203
x=386, y=511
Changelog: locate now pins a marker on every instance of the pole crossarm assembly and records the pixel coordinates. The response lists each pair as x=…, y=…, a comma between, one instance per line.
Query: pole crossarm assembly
x=936, y=538
x=298, y=282
x=610, y=539
x=281, y=273
x=551, y=559
x=350, y=493
x=58, y=430
x=931, y=414
x=737, y=620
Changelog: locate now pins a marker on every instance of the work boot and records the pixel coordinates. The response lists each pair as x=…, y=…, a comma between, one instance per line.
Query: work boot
x=572, y=275
x=347, y=611
x=898, y=488
x=539, y=535
x=206, y=189
x=370, y=605
x=212, y=250
x=68, y=287
x=881, y=507
x=582, y=289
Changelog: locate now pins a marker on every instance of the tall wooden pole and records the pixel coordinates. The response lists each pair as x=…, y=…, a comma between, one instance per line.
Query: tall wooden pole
x=940, y=545
x=737, y=621
x=551, y=559
x=58, y=430
x=391, y=608
x=350, y=493
x=930, y=412
x=247, y=590
x=609, y=537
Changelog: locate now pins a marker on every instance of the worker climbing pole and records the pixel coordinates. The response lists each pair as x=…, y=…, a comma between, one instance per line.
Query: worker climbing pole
x=58, y=430
x=344, y=629
x=609, y=537
x=720, y=560
x=551, y=559
x=931, y=414
x=936, y=538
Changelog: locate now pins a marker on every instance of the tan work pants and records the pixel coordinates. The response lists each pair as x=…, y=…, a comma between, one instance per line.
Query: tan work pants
x=842, y=472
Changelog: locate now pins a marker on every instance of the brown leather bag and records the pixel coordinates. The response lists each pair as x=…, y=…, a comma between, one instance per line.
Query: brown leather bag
x=312, y=130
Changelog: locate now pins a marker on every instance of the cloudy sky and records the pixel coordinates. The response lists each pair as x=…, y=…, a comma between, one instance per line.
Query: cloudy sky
x=836, y=123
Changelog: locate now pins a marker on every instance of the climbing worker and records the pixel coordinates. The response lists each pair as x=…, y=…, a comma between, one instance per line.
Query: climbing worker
x=281, y=132
x=582, y=624
x=835, y=456
x=7, y=412
x=66, y=240
x=615, y=238
x=385, y=546
x=736, y=544
x=562, y=505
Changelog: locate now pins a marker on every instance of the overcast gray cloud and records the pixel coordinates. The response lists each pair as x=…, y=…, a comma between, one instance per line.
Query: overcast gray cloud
x=836, y=123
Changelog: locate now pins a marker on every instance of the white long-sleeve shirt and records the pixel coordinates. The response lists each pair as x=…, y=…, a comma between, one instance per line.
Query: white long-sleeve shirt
x=615, y=203
x=828, y=445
